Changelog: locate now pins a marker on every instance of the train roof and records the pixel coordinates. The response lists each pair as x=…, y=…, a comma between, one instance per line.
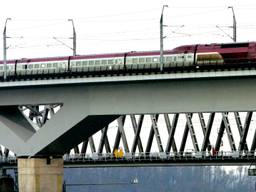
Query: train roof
x=179, y=49
x=191, y=47
x=90, y=56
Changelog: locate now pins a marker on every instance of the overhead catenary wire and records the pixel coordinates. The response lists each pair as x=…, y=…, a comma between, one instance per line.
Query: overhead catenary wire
x=146, y=31
x=138, y=31
x=107, y=18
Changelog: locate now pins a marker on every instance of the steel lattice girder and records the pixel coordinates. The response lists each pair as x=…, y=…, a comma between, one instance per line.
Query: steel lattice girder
x=205, y=122
x=206, y=125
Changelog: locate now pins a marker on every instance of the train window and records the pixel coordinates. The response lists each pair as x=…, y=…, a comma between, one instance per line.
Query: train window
x=110, y=61
x=30, y=66
x=155, y=59
x=97, y=62
x=78, y=63
x=49, y=65
x=148, y=59
x=174, y=58
x=128, y=60
x=23, y=66
x=91, y=62
x=104, y=62
x=141, y=60
x=1, y=68
x=36, y=66
x=168, y=58
x=43, y=65
x=118, y=61
x=135, y=60
x=84, y=63
x=54, y=64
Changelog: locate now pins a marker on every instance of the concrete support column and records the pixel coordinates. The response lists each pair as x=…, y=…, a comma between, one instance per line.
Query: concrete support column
x=40, y=174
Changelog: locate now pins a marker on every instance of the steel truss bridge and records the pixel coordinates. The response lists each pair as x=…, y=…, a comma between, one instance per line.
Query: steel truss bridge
x=184, y=118
x=159, y=139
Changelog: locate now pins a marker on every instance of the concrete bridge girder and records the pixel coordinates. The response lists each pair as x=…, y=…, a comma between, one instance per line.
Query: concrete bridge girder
x=89, y=107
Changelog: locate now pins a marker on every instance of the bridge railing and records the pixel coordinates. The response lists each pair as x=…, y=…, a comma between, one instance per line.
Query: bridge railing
x=110, y=157
x=8, y=160
x=94, y=157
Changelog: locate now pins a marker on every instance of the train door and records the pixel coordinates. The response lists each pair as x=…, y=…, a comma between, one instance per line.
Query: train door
x=180, y=60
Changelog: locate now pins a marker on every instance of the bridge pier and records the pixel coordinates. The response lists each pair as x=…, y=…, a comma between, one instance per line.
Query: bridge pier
x=40, y=174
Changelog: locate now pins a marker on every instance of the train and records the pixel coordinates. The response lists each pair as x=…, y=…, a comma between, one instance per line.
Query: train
x=194, y=57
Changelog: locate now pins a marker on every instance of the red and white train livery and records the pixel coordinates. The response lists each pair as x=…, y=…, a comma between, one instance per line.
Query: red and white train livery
x=193, y=56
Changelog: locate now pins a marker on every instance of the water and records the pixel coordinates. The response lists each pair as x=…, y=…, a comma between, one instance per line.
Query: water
x=151, y=179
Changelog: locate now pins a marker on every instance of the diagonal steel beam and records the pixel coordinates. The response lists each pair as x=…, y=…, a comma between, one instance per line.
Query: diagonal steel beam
x=120, y=122
x=45, y=116
x=117, y=140
x=92, y=145
x=220, y=135
x=184, y=138
x=6, y=152
x=156, y=133
x=33, y=111
x=171, y=131
x=192, y=131
x=104, y=141
x=253, y=143
x=137, y=129
x=206, y=141
x=107, y=146
x=243, y=146
x=238, y=123
x=76, y=150
x=48, y=111
x=151, y=136
x=121, y=134
x=202, y=122
x=229, y=132
x=84, y=146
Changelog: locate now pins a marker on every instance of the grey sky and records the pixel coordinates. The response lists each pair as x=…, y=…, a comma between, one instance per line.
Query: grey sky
x=116, y=26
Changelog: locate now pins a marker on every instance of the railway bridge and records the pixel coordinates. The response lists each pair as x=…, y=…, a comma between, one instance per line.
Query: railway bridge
x=42, y=120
